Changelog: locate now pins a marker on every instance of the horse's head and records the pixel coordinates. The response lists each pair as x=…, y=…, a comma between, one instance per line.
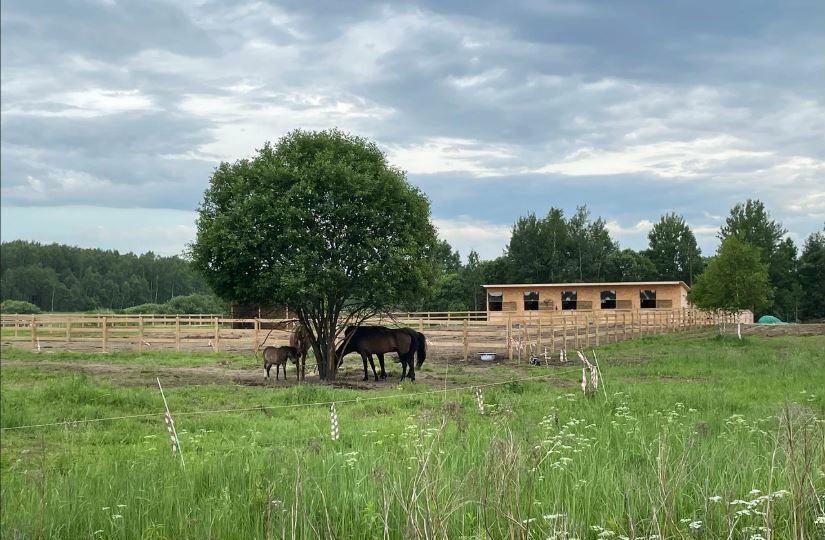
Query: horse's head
x=292, y=353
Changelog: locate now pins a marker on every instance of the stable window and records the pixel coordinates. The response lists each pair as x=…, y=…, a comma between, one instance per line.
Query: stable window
x=495, y=301
x=568, y=300
x=531, y=301
x=647, y=298
x=608, y=299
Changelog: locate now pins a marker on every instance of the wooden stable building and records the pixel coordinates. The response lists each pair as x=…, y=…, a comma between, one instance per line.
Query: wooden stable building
x=528, y=300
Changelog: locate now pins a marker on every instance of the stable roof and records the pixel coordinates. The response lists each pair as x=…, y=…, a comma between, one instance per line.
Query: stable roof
x=599, y=284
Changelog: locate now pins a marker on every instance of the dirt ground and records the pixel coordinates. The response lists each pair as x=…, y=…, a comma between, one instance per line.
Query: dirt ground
x=773, y=330
x=225, y=373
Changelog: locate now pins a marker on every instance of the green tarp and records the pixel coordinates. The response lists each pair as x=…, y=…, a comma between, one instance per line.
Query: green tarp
x=769, y=319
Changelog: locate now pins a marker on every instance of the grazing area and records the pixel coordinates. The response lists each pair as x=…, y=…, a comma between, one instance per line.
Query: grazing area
x=691, y=435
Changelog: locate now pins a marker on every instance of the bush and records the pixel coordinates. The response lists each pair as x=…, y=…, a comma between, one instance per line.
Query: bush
x=195, y=303
x=18, y=306
x=151, y=309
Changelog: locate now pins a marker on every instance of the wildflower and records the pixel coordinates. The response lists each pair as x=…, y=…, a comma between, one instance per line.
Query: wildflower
x=695, y=525
x=117, y=516
x=715, y=498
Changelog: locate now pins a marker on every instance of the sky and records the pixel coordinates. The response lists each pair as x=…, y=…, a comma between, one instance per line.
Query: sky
x=115, y=113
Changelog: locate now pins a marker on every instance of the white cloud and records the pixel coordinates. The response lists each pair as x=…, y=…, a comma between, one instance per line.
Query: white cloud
x=465, y=234
x=441, y=154
x=480, y=79
x=88, y=103
x=668, y=159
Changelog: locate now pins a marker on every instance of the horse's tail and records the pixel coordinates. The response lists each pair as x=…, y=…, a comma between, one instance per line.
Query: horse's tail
x=422, y=349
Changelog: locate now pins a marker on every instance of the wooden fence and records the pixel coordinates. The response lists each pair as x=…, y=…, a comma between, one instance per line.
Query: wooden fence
x=455, y=335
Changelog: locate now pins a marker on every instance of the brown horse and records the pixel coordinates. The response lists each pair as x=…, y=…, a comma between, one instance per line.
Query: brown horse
x=299, y=338
x=278, y=356
x=379, y=340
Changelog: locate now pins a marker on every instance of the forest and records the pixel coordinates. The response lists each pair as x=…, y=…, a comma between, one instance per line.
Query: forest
x=542, y=249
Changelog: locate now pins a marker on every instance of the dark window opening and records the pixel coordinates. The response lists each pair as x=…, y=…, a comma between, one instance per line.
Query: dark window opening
x=647, y=298
x=531, y=301
x=568, y=300
x=495, y=301
x=608, y=299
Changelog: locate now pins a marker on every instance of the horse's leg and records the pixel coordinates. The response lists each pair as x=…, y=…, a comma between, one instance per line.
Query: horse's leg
x=267, y=367
x=403, y=366
x=364, y=358
x=277, y=371
x=381, y=361
x=372, y=365
x=411, y=359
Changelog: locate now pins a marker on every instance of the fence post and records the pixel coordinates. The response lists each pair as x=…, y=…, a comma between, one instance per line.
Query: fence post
x=68, y=330
x=257, y=334
x=105, y=335
x=177, y=333
x=421, y=325
x=217, y=342
x=34, y=330
x=564, y=332
x=538, y=337
x=510, y=337
x=140, y=333
x=466, y=339
x=597, y=330
x=624, y=326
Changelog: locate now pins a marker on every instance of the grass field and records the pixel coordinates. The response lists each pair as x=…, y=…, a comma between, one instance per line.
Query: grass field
x=695, y=436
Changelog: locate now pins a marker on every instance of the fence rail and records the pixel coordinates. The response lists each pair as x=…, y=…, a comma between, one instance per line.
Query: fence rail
x=452, y=335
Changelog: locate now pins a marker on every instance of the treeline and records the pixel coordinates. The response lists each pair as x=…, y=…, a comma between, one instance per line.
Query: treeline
x=578, y=248
x=552, y=248
x=56, y=277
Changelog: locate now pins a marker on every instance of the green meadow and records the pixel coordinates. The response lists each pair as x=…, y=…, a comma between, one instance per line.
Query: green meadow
x=689, y=436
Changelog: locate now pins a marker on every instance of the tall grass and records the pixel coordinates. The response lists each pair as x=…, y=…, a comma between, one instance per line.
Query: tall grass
x=696, y=439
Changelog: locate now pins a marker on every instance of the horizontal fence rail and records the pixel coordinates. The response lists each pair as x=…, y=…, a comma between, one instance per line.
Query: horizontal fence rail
x=451, y=335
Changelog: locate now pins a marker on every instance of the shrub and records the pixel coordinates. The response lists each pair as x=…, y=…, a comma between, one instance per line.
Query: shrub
x=18, y=306
x=153, y=309
x=195, y=303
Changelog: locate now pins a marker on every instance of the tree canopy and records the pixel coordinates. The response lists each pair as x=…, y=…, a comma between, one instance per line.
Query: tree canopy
x=323, y=223
x=673, y=250
x=812, y=276
x=734, y=280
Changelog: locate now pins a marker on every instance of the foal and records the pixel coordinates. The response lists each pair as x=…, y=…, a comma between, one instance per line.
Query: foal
x=278, y=356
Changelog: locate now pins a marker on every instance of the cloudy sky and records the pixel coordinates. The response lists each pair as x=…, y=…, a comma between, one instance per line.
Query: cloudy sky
x=115, y=112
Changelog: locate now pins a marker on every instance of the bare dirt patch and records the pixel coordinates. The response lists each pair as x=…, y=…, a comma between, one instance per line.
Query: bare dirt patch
x=775, y=330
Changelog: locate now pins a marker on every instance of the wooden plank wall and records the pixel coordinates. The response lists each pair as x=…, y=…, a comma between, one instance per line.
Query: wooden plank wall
x=451, y=335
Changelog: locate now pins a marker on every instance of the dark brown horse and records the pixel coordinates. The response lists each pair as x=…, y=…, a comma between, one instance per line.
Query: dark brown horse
x=379, y=340
x=299, y=338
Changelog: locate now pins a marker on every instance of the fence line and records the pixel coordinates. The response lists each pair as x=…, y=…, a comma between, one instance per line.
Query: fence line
x=452, y=336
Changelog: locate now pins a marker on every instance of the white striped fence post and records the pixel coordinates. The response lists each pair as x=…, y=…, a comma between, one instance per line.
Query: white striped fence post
x=333, y=421
x=480, y=400
x=170, y=427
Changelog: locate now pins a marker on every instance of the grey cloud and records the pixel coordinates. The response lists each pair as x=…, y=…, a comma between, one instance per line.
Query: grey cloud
x=141, y=100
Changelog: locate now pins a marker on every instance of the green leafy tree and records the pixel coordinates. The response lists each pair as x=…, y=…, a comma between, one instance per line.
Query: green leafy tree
x=472, y=277
x=629, y=265
x=812, y=277
x=750, y=222
x=783, y=271
x=736, y=279
x=322, y=223
x=673, y=250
